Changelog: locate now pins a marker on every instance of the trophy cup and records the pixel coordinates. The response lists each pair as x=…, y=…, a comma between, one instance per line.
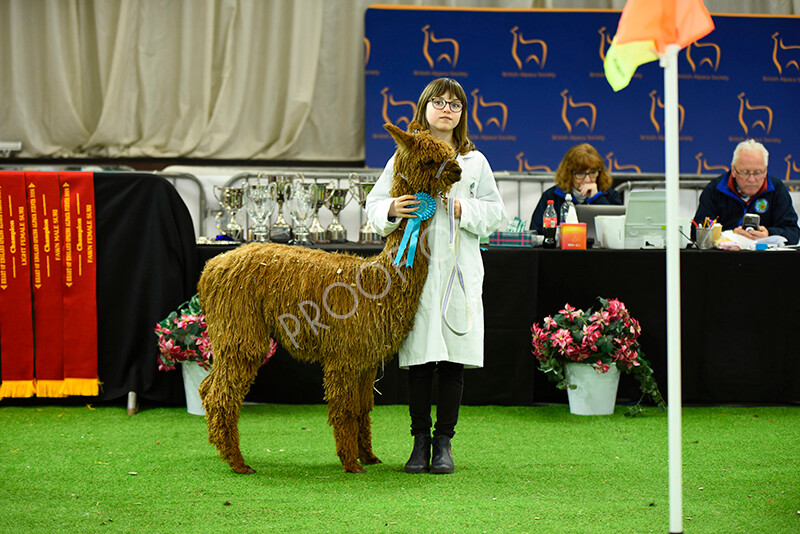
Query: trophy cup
x=300, y=197
x=230, y=198
x=360, y=187
x=280, y=231
x=259, y=201
x=336, y=202
x=320, y=197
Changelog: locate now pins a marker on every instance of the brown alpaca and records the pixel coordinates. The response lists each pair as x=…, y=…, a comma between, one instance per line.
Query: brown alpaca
x=348, y=313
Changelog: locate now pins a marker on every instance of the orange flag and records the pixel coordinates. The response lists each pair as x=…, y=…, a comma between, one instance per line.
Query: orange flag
x=646, y=27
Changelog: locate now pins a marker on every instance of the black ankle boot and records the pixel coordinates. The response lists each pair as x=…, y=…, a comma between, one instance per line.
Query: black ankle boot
x=420, y=460
x=442, y=462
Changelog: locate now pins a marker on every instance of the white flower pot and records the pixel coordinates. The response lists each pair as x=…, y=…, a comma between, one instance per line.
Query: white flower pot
x=595, y=394
x=193, y=374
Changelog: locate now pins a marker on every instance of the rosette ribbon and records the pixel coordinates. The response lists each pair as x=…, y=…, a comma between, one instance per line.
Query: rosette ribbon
x=425, y=210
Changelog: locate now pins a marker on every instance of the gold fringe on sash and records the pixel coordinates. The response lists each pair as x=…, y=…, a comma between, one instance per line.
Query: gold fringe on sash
x=50, y=388
x=86, y=387
x=17, y=388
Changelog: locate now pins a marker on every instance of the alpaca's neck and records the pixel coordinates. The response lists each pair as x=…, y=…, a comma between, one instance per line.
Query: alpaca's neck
x=407, y=282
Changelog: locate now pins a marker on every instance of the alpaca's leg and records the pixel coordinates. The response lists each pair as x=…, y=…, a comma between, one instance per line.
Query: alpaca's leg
x=222, y=392
x=367, y=399
x=344, y=396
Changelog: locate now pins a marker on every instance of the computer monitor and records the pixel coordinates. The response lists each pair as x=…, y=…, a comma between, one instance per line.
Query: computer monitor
x=587, y=212
x=646, y=219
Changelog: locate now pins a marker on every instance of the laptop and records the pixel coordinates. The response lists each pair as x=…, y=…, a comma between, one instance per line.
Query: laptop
x=587, y=212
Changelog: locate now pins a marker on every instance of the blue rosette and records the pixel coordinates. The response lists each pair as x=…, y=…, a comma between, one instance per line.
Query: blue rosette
x=425, y=210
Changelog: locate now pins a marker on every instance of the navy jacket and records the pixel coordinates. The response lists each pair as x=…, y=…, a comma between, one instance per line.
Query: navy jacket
x=718, y=201
x=558, y=196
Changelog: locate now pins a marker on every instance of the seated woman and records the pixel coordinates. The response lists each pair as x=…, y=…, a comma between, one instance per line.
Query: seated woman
x=583, y=174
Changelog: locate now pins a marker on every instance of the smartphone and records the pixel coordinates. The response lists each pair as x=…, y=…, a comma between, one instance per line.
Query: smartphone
x=751, y=220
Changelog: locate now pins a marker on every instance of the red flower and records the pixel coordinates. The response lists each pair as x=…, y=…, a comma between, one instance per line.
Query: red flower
x=600, y=367
x=570, y=313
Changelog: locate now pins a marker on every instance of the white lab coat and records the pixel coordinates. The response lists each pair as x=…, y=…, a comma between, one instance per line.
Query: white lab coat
x=482, y=212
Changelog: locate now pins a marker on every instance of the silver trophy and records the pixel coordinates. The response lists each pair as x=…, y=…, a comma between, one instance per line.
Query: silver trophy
x=336, y=202
x=280, y=231
x=300, y=198
x=316, y=231
x=360, y=187
x=260, y=198
x=230, y=198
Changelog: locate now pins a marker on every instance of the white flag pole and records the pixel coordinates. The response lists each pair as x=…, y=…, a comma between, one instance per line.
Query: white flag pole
x=669, y=61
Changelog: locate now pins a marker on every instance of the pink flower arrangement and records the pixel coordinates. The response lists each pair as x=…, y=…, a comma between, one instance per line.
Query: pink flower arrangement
x=183, y=338
x=602, y=338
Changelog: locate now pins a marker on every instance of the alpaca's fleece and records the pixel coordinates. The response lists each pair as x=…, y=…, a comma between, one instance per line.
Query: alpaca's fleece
x=346, y=312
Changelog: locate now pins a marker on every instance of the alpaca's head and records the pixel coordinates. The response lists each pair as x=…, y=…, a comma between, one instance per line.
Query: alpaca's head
x=422, y=162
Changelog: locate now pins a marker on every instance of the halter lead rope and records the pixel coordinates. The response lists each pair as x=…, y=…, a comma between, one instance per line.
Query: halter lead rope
x=455, y=244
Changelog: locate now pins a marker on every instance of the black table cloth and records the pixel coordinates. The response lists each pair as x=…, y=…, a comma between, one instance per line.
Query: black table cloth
x=738, y=317
x=146, y=267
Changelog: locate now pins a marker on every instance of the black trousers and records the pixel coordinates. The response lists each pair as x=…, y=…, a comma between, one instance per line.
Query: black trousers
x=420, y=397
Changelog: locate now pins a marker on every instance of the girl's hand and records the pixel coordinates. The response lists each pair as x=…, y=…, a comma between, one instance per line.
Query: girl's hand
x=404, y=206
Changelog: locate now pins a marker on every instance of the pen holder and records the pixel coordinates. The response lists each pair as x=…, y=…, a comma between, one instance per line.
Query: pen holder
x=705, y=238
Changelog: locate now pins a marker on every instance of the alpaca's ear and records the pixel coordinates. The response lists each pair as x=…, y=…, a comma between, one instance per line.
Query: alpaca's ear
x=400, y=137
x=414, y=127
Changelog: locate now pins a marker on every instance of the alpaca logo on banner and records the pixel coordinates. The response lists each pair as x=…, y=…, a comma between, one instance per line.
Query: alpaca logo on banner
x=367, y=53
x=444, y=49
x=525, y=50
x=703, y=166
x=575, y=113
x=525, y=166
x=759, y=115
x=783, y=55
x=605, y=42
x=656, y=102
x=614, y=165
x=497, y=112
x=790, y=166
x=699, y=54
x=396, y=112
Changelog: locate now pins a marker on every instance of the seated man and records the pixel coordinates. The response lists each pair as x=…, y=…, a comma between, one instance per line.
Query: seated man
x=747, y=188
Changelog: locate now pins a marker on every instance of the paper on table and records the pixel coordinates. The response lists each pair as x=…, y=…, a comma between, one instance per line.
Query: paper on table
x=750, y=244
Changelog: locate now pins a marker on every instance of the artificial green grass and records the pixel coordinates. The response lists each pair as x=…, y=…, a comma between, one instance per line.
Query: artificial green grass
x=518, y=469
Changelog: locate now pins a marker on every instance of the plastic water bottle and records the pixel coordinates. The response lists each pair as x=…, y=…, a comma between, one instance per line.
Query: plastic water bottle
x=549, y=224
x=566, y=208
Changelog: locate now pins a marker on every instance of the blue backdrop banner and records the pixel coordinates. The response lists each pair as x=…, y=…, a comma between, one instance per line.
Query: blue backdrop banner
x=535, y=85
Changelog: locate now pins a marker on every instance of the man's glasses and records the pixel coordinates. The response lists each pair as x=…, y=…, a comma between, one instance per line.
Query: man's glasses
x=589, y=174
x=439, y=103
x=751, y=174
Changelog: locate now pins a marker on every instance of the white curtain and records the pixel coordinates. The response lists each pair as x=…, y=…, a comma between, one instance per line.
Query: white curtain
x=221, y=79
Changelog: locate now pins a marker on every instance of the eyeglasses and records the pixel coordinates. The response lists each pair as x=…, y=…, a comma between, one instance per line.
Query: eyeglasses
x=439, y=103
x=751, y=174
x=589, y=174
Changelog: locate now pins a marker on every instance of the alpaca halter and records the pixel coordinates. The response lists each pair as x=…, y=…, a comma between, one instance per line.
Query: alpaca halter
x=425, y=210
